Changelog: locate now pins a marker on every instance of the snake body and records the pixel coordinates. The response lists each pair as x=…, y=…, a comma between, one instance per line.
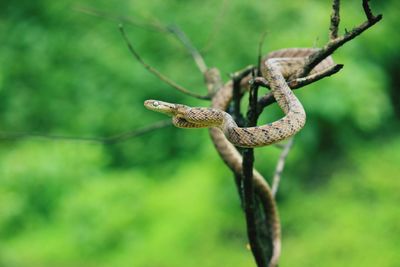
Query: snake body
x=277, y=67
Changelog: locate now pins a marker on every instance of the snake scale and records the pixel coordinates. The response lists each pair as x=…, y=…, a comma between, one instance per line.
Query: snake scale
x=278, y=67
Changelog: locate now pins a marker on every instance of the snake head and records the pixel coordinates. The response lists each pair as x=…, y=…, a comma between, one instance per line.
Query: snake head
x=161, y=107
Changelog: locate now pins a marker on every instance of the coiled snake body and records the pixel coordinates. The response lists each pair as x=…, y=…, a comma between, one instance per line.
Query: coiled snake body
x=277, y=67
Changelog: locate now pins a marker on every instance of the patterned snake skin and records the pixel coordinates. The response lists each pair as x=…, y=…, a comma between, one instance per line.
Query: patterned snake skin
x=277, y=67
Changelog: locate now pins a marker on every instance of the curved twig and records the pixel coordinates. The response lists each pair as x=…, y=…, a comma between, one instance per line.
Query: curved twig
x=198, y=59
x=158, y=74
x=153, y=26
x=280, y=165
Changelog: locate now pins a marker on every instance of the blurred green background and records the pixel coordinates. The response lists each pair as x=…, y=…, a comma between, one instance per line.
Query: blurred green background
x=165, y=199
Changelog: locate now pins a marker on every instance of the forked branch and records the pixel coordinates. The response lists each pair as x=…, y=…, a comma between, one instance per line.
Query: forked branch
x=337, y=42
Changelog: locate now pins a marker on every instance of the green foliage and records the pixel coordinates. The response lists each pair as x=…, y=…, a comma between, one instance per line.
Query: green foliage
x=166, y=199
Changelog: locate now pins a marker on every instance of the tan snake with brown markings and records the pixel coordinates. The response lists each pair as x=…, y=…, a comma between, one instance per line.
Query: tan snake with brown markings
x=277, y=67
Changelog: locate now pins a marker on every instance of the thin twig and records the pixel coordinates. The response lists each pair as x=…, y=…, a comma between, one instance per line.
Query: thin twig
x=279, y=146
x=16, y=136
x=158, y=74
x=241, y=74
x=260, y=46
x=280, y=165
x=173, y=29
x=198, y=59
x=300, y=82
x=138, y=132
x=117, y=18
x=269, y=99
x=335, y=20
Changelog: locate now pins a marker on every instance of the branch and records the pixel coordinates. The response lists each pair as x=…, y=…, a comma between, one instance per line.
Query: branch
x=155, y=26
x=335, y=20
x=16, y=136
x=9, y=136
x=237, y=78
x=198, y=59
x=320, y=55
x=269, y=99
x=248, y=187
x=158, y=74
x=105, y=15
x=280, y=165
x=260, y=46
x=368, y=12
x=334, y=44
x=138, y=132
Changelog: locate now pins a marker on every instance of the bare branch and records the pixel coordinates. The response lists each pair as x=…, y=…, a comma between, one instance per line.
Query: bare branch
x=335, y=20
x=248, y=187
x=279, y=146
x=367, y=11
x=301, y=82
x=280, y=165
x=260, y=46
x=158, y=74
x=269, y=99
x=241, y=74
x=260, y=81
x=16, y=136
x=155, y=26
x=334, y=44
x=138, y=132
x=198, y=59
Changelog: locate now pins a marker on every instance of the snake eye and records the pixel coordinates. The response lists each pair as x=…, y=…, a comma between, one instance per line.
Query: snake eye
x=155, y=103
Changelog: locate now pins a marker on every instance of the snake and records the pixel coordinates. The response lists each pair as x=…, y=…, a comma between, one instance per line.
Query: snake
x=277, y=68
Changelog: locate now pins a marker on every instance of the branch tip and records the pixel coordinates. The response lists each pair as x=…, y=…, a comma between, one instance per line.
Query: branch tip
x=367, y=11
x=158, y=74
x=182, y=37
x=335, y=20
x=280, y=166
